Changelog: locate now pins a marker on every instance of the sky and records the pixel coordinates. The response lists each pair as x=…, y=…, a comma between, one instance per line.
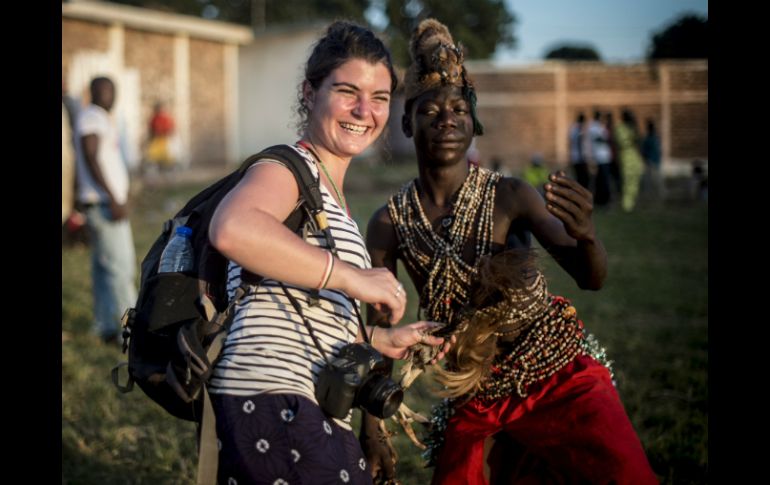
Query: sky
x=620, y=30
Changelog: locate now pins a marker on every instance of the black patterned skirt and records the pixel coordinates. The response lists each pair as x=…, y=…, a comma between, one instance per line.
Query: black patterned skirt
x=284, y=439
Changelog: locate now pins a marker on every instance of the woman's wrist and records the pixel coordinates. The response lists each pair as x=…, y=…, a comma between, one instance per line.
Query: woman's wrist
x=339, y=276
x=327, y=272
x=378, y=336
x=374, y=334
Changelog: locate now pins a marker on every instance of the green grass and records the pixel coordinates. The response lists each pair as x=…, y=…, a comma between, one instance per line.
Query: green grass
x=652, y=317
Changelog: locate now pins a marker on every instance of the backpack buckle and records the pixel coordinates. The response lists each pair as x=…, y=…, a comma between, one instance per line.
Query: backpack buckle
x=116, y=378
x=127, y=320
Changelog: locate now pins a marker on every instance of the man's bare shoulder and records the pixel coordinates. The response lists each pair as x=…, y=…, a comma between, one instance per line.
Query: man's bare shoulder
x=514, y=192
x=380, y=233
x=381, y=216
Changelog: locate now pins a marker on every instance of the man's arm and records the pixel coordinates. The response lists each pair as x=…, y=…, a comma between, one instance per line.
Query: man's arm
x=382, y=243
x=564, y=227
x=90, y=145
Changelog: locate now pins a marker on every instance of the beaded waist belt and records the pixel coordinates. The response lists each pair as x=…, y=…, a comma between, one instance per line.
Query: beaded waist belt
x=548, y=343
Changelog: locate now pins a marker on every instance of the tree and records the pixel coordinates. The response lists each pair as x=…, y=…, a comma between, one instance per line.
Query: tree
x=573, y=52
x=685, y=38
x=275, y=11
x=480, y=25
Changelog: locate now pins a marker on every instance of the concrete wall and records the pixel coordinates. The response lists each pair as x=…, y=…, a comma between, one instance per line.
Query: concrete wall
x=270, y=71
x=207, y=116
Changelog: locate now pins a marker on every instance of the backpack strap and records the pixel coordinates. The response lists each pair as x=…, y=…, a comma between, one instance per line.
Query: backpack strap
x=310, y=194
x=309, y=186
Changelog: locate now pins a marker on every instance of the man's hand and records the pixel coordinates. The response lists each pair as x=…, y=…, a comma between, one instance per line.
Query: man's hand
x=379, y=452
x=118, y=211
x=572, y=204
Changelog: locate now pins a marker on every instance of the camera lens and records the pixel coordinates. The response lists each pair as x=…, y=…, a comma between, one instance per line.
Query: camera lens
x=380, y=396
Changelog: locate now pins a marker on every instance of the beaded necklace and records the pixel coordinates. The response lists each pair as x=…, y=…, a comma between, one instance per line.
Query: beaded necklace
x=448, y=276
x=340, y=197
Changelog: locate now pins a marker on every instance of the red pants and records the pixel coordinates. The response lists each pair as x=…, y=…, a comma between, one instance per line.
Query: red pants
x=572, y=428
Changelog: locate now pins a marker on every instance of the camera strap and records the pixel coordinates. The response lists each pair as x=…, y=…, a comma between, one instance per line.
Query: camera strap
x=298, y=309
x=323, y=225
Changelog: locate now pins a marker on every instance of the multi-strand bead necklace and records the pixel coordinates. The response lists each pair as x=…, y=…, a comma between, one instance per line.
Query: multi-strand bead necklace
x=438, y=258
x=520, y=308
x=555, y=336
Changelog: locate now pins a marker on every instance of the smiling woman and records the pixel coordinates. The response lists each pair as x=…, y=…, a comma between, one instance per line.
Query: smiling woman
x=272, y=424
x=349, y=111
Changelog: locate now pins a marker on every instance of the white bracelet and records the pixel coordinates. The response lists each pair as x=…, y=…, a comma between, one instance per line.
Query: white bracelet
x=327, y=271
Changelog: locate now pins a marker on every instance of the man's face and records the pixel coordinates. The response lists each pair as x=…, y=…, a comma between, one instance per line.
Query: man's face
x=442, y=126
x=104, y=95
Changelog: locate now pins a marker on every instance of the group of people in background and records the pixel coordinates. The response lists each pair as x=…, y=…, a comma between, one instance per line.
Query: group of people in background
x=619, y=155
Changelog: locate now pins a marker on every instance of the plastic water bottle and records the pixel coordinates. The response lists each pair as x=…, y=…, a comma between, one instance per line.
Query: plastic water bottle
x=178, y=256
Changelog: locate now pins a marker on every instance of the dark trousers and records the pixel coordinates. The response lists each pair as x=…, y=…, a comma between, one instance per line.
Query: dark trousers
x=602, y=189
x=582, y=175
x=616, y=175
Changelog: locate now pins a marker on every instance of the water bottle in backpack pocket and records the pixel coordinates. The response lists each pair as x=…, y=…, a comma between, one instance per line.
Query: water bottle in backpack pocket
x=178, y=255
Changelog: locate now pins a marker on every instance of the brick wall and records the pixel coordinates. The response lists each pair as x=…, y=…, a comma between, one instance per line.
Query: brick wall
x=529, y=130
x=690, y=128
x=686, y=80
x=529, y=110
x=611, y=78
x=79, y=35
x=207, y=118
x=514, y=82
x=153, y=55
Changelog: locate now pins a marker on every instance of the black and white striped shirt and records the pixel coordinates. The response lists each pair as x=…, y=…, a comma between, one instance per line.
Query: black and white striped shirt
x=269, y=349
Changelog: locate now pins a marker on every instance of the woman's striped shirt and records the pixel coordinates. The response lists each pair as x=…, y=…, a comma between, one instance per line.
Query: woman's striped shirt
x=268, y=348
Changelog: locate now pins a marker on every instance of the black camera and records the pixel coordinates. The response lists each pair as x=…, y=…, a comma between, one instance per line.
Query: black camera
x=358, y=377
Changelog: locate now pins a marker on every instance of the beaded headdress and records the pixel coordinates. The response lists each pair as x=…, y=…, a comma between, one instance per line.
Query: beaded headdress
x=436, y=62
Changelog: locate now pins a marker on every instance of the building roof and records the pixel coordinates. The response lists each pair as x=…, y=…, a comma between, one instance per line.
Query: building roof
x=156, y=21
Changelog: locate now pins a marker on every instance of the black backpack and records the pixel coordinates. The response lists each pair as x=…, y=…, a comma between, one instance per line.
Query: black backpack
x=175, y=332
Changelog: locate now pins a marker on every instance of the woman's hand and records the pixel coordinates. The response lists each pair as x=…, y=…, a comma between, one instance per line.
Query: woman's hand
x=376, y=286
x=395, y=342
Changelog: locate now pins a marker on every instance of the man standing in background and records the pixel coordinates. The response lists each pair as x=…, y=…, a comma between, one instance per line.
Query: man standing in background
x=598, y=138
x=103, y=193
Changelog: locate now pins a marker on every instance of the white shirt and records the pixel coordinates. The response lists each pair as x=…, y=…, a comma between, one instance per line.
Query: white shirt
x=95, y=120
x=600, y=148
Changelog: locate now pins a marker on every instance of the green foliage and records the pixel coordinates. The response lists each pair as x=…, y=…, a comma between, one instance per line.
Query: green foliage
x=651, y=316
x=569, y=52
x=479, y=25
x=685, y=38
x=275, y=11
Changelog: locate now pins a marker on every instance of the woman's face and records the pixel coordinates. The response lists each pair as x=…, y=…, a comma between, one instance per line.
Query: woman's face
x=350, y=108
